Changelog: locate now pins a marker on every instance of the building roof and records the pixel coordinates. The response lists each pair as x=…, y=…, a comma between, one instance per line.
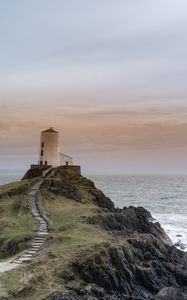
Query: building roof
x=51, y=129
x=65, y=155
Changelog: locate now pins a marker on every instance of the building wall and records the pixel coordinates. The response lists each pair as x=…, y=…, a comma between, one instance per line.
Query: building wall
x=49, y=148
x=65, y=160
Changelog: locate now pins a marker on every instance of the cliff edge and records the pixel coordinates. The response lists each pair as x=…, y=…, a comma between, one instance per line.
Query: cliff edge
x=94, y=251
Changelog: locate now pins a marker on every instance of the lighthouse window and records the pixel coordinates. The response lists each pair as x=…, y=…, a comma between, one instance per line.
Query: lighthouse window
x=42, y=152
x=42, y=144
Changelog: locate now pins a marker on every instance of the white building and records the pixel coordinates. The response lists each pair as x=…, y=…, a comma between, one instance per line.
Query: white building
x=50, y=150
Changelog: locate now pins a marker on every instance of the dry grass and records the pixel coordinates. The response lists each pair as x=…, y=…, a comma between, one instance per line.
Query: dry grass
x=71, y=231
x=70, y=236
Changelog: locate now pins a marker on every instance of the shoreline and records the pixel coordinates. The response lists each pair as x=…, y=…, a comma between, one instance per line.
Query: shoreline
x=175, y=235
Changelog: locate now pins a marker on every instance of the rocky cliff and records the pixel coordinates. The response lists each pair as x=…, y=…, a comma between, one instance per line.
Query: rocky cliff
x=95, y=251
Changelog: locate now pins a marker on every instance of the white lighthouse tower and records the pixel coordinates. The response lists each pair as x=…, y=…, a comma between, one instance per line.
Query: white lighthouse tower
x=50, y=158
x=50, y=150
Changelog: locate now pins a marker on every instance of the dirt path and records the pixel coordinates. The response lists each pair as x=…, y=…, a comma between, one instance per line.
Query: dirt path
x=7, y=265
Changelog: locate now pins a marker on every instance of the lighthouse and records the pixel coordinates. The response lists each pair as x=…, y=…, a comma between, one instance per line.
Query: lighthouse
x=50, y=157
x=49, y=153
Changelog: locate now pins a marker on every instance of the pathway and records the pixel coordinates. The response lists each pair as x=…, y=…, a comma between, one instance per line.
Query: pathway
x=7, y=265
x=34, y=200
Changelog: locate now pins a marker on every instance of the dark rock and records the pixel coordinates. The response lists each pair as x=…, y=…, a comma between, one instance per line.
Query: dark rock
x=35, y=171
x=32, y=173
x=137, y=263
x=12, y=246
x=101, y=199
x=180, y=245
x=61, y=296
x=70, y=295
x=171, y=293
x=63, y=188
x=71, y=186
x=127, y=221
x=126, y=271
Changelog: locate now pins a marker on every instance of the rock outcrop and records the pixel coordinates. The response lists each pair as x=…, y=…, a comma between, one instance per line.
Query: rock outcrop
x=128, y=221
x=138, y=269
x=131, y=257
x=72, y=185
x=138, y=263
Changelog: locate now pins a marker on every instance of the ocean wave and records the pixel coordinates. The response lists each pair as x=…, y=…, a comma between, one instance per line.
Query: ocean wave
x=175, y=226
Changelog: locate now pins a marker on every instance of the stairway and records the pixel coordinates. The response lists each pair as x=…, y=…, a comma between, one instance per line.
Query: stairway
x=34, y=197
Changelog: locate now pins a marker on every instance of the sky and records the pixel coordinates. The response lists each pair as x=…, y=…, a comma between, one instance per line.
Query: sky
x=110, y=75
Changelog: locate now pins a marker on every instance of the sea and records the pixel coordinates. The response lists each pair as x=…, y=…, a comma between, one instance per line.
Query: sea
x=165, y=196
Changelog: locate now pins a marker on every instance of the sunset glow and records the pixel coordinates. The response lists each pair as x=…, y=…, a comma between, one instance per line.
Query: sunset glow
x=110, y=76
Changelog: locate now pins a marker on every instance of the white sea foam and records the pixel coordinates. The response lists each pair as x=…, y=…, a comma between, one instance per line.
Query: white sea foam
x=164, y=196
x=176, y=228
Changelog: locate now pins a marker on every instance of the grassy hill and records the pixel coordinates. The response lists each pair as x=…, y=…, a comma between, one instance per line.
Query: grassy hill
x=16, y=222
x=92, y=249
x=69, y=234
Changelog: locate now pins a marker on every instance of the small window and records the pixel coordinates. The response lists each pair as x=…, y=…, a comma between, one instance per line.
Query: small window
x=42, y=144
x=46, y=162
x=66, y=163
x=41, y=162
x=42, y=152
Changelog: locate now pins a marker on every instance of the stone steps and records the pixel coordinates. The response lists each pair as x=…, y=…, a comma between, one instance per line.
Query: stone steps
x=32, y=252
x=42, y=231
x=37, y=243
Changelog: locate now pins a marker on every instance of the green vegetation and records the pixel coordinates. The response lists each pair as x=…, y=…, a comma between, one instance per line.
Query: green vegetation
x=77, y=255
x=70, y=235
x=17, y=187
x=71, y=232
x=10, y=280
x=16, y=222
